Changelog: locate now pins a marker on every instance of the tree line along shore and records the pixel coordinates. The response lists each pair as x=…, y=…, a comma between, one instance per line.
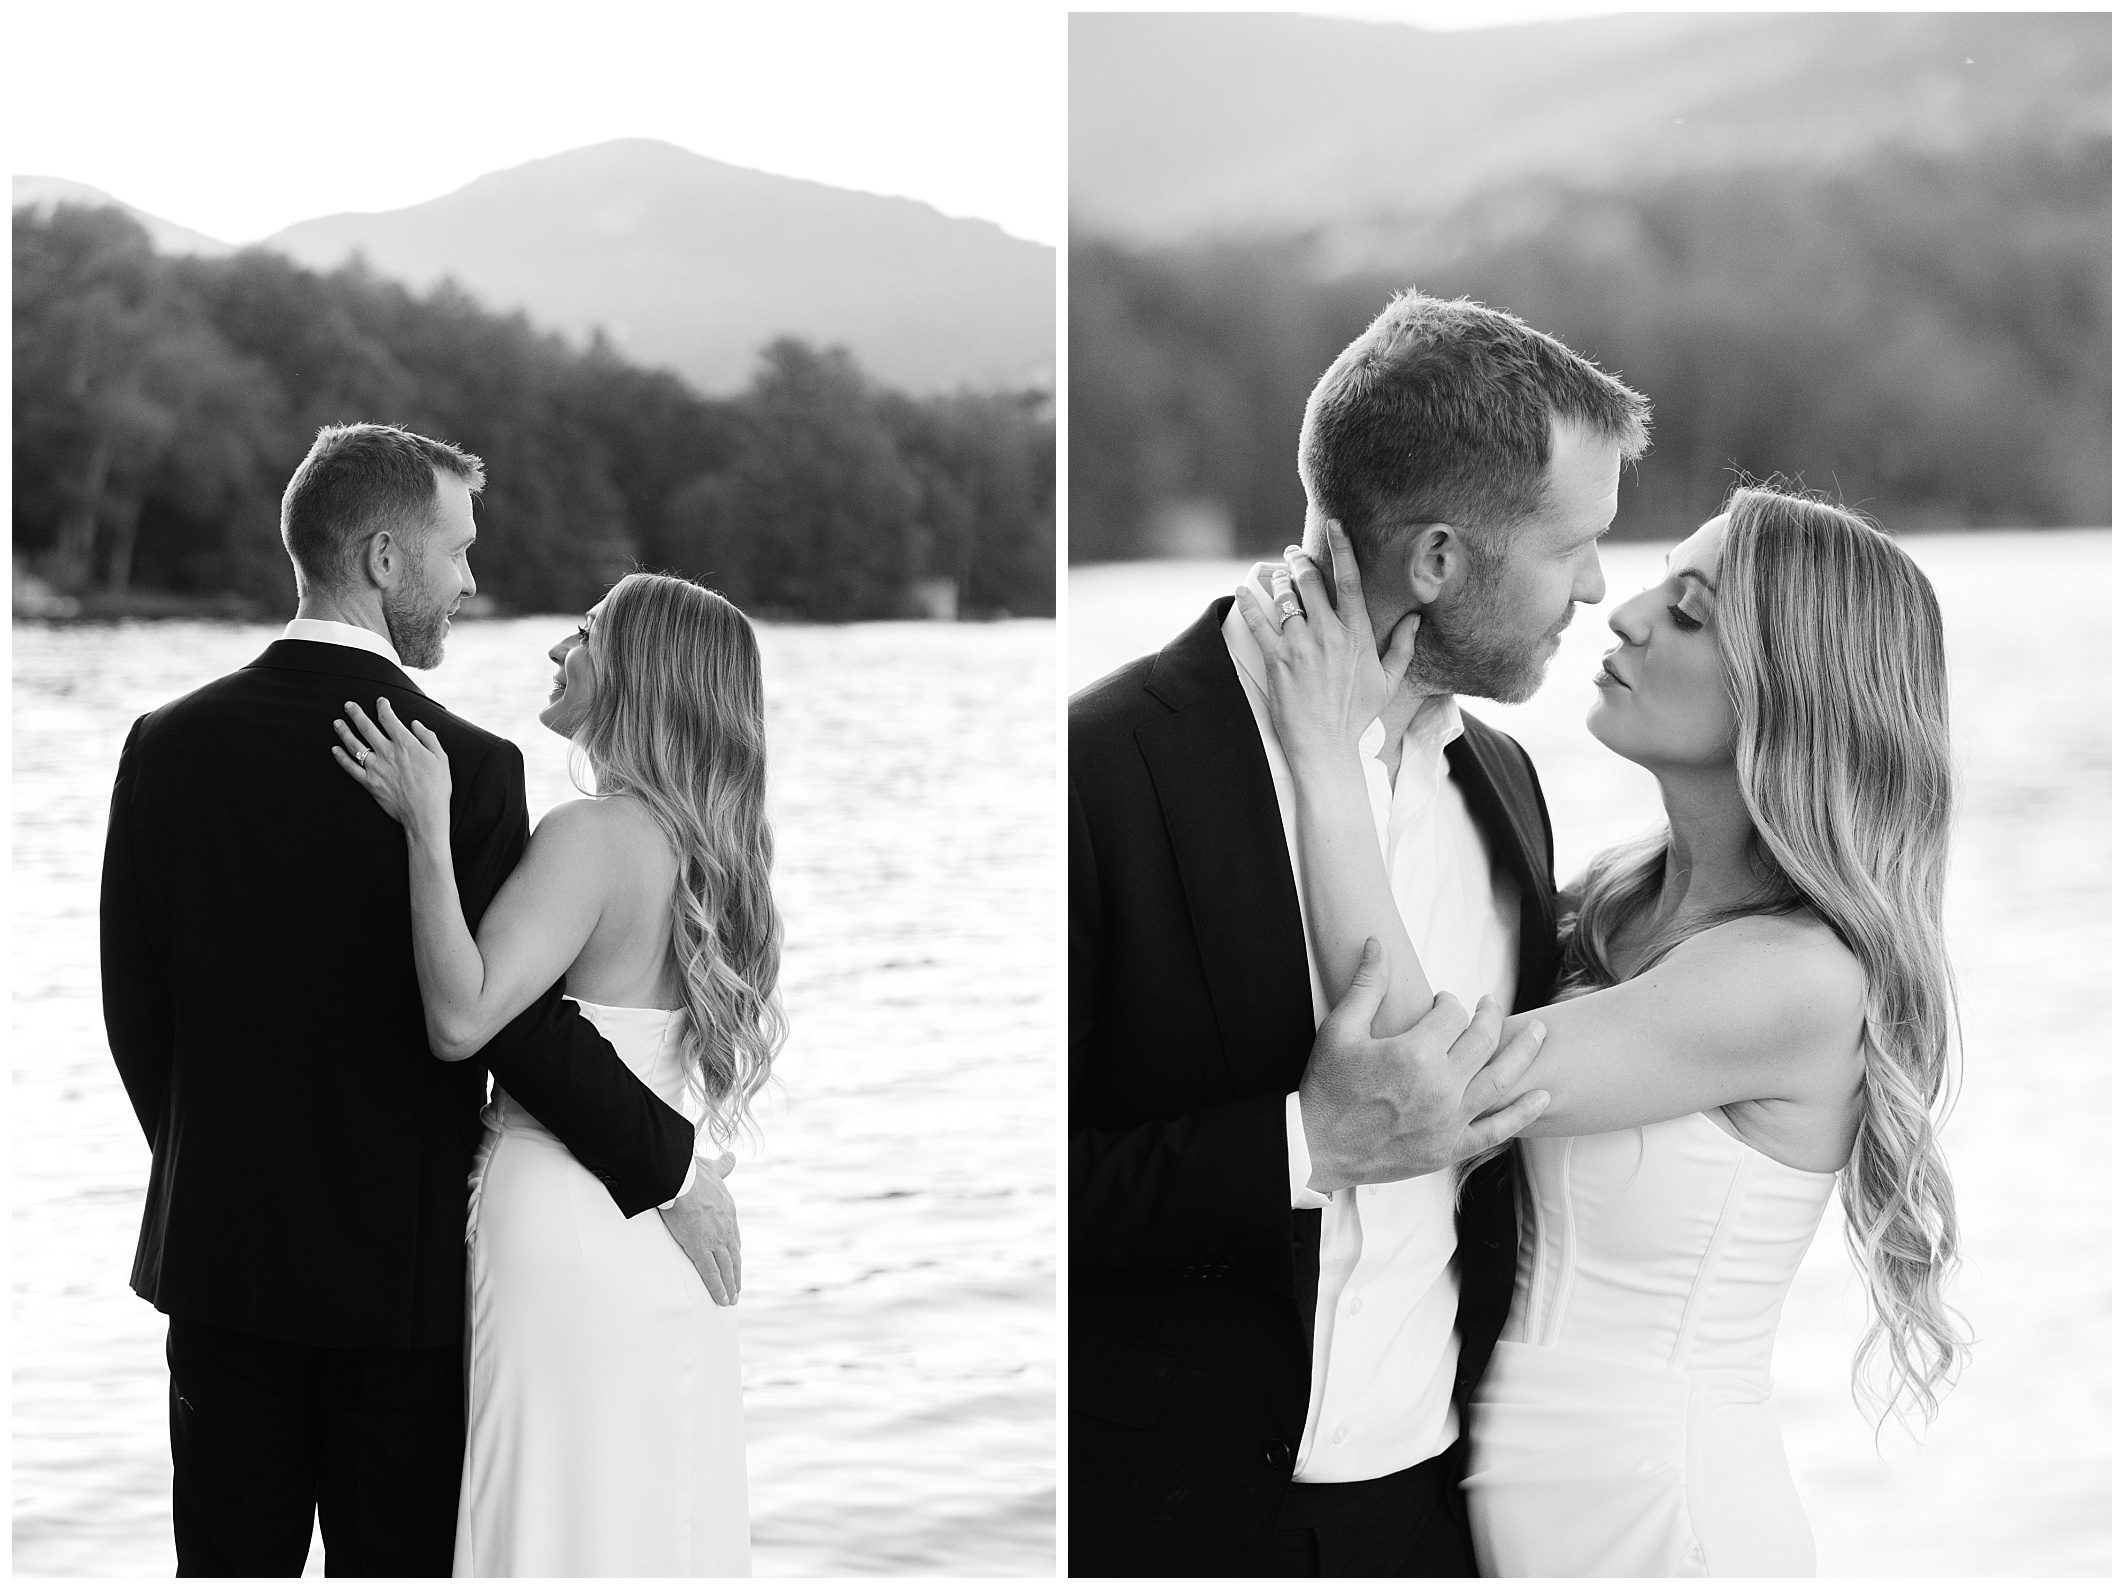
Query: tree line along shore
x=162, y=402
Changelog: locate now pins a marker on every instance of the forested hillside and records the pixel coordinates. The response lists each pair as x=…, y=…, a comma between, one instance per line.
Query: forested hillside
x=161, y=403
x=1928, y=338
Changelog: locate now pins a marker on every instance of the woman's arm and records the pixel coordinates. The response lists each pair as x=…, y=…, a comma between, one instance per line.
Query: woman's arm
x=1326, y=686
x=1348, y=898
x=1757, y=1009
x=540, y=920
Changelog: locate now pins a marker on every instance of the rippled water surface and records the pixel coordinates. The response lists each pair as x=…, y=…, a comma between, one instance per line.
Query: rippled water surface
x=2015, y=1478
x=899, y=1222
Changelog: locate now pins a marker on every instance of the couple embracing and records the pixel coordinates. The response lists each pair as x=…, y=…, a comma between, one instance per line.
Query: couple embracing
x=1424, y=1221
x=315, y=953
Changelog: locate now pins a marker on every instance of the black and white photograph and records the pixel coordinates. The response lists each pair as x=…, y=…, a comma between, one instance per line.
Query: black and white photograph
x=667, y=657
x=1587, y=635
x=536, y=854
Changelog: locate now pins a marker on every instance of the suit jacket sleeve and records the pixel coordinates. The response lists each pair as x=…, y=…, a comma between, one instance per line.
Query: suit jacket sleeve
x=139, y=1011
x=551, y=1058
x=1205, y=1193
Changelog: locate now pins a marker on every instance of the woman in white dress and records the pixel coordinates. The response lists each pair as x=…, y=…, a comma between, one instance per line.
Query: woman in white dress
x=605, y=1424
x=1756, y=1008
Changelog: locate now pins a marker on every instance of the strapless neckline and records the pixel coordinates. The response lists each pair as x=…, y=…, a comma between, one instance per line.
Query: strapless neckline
x=634, y=1010
x=1733, y=1136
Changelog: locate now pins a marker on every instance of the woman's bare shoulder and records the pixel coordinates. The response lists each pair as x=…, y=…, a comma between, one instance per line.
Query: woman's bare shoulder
x=571, y=822
x=1787, y=980
x=1793, y=957
x=569, y=841
x=1798, y=941
x=615, y=829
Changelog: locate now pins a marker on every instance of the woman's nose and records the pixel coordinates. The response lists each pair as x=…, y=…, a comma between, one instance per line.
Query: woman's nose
x=1631, y=619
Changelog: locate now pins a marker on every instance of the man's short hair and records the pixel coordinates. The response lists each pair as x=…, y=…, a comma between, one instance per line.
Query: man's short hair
x=1439, y=413
x=355, y=481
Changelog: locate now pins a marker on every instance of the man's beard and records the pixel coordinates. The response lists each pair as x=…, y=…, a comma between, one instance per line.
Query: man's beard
x=1464, y=649
x=416, y=628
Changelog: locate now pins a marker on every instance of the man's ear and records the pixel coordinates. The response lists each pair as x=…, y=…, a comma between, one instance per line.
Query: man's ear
x=381, y=557
x=1433, y=559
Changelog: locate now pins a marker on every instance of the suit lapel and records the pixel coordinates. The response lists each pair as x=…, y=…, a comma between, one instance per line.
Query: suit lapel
x=1219, y=805
x=1505, y=805
x=1218, y=802
x=1513, y=824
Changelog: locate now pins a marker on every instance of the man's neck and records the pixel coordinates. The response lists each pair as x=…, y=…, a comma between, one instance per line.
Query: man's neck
x=1413, y=696
x=334, y=608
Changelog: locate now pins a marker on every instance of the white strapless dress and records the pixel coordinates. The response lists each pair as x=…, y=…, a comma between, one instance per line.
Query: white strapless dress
x=605, y=1429
x=1624, y=1427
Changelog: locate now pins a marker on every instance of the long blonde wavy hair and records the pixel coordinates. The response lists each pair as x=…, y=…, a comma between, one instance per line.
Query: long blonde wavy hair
x=679, y=722
x=1837, y=668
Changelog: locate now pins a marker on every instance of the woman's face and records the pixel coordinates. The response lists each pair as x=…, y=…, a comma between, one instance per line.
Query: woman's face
x=1662, y=698
x=575, y=684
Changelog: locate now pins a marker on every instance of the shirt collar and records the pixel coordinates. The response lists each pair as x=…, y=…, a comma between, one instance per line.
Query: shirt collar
x=334, y=633
x=1436, y=724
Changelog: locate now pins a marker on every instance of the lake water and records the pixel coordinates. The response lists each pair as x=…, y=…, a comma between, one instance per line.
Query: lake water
x=899, y=1222
x=2015, y=1477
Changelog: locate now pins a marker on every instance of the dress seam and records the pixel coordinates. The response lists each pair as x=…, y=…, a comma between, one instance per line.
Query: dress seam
x=1714, y=1250
x=1567, y=1251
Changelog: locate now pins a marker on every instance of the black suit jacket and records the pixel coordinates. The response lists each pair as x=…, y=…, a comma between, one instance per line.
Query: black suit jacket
x=1192, y=1280
x=310, y=1154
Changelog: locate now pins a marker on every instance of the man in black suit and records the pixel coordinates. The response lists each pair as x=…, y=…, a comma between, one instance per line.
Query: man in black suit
x=305, y=1218
x=1278, y=1306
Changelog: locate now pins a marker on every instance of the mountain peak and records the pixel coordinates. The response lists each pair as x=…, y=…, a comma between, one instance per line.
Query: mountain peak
x=695, y=264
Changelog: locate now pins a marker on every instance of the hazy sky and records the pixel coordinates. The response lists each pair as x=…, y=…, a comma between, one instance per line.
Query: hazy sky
x=236, y=118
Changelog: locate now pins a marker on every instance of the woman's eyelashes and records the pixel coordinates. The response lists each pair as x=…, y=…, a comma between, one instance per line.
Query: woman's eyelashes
x=1685, y=621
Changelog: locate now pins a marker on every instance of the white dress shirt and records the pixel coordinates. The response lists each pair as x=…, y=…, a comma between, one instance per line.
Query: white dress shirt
x=1384, y=1346
x=334, y=633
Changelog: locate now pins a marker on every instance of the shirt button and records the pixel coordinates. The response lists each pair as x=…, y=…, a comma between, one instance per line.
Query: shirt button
x=1356, y=1305
x=1341, y=1430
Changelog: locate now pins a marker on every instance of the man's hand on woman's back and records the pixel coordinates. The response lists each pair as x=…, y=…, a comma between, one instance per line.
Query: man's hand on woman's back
x=703, y=1221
